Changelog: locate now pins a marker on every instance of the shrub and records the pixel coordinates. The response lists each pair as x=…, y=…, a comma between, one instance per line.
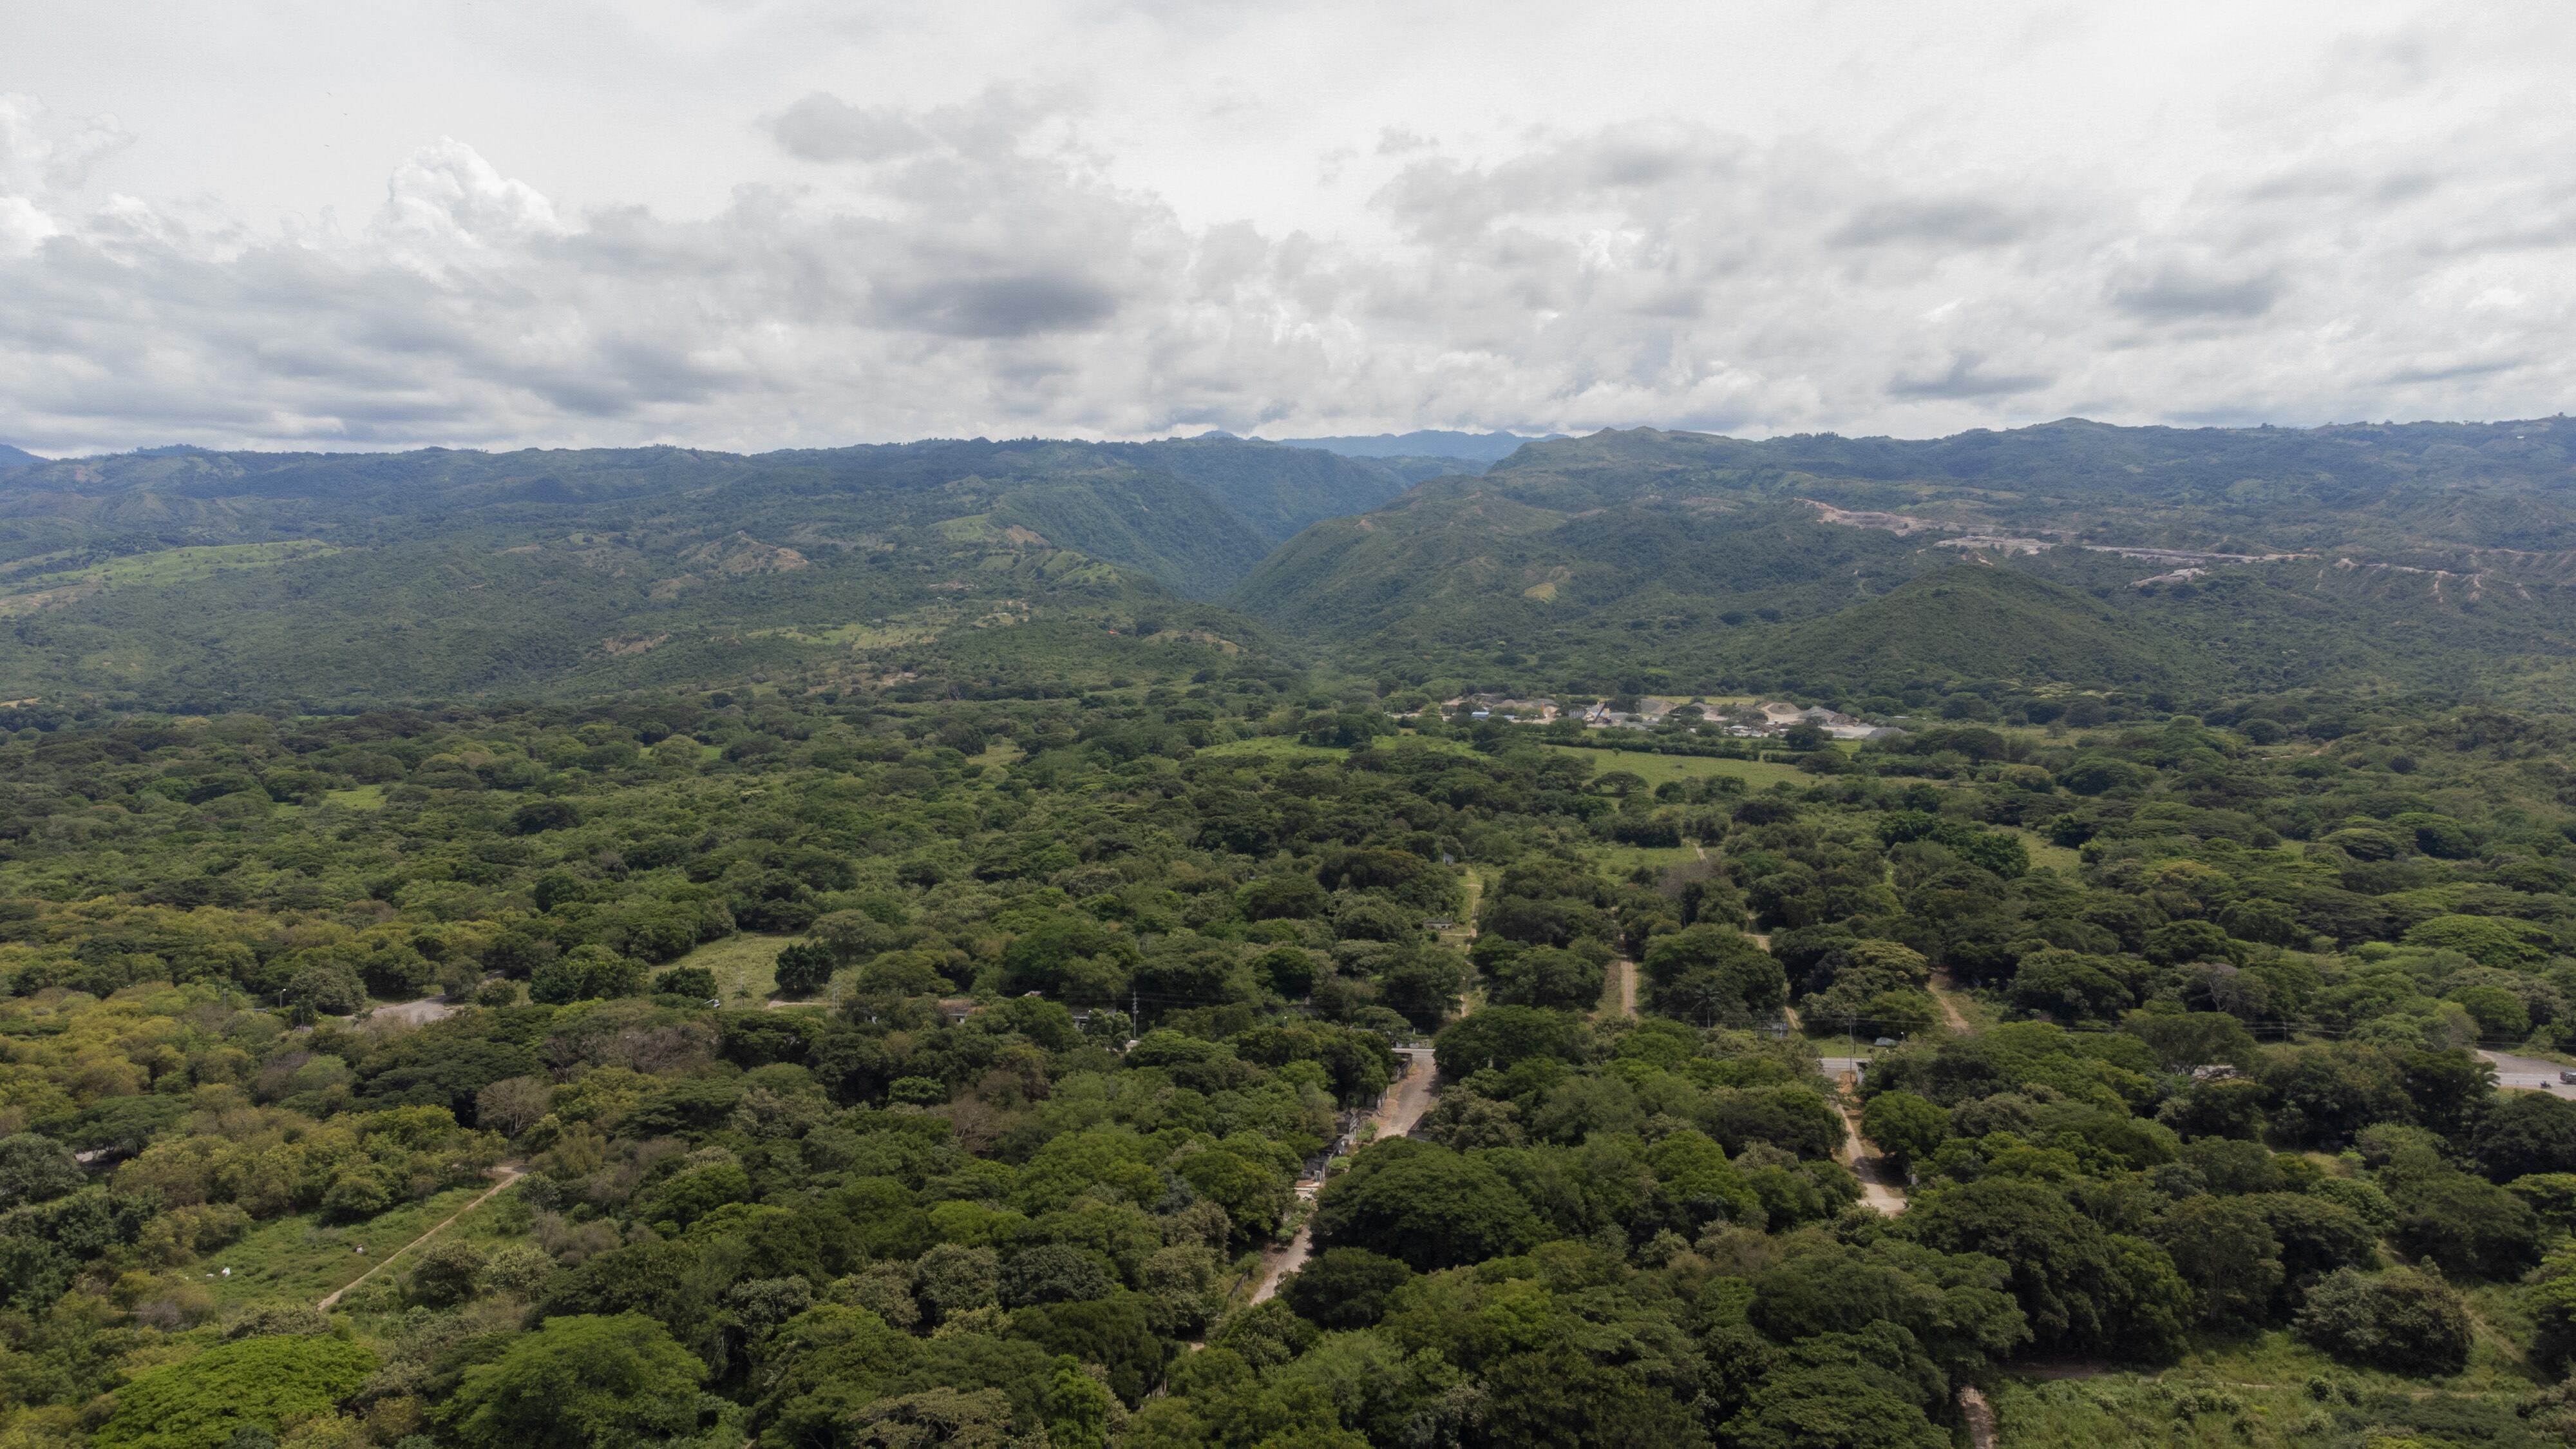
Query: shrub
x=252, y=1383
x=2401, y=1320
x=804, y=968
x=696, y=982
x=444, y=1274
x=1344, y=1287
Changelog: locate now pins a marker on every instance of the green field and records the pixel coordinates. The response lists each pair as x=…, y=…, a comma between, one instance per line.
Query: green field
x=362, y=797
x=1283, y=747
x=745, y=966
x=2266, y=1391
x=1655, y=769
x=176, y=565
x=301, y=1259
x=2045, y=852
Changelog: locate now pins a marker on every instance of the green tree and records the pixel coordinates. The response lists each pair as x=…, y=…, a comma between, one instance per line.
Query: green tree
x=1560, y=1396
x=695, y=982
x=805, y=967
x=1501, y=1037
x=2083, y=1289
x=1079, y=1410
x=1344, y=1287
x=251, y=1384
x=582, y=1382
x=35, y=1168
x=2471, y=1228
x=2527, y=1133
x=1906, y=1127
x=1714, y=974
x=2401, y=1320
x=1423, y=1204
x=2224, y=1248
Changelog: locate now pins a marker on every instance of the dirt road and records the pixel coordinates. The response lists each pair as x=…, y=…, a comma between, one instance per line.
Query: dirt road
x=1881, y=1186
x=1403, y=1105
x=1944, y=991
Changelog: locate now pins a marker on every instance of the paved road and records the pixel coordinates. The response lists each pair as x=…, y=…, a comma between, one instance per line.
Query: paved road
x=2528, y=1072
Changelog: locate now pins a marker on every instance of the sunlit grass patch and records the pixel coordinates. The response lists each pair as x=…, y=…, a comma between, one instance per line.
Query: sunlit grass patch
x=303, y=1258
x=1655, y=768
x=745, y=966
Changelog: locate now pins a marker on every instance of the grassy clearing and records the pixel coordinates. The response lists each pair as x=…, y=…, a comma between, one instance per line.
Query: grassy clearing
x=301, y=1259
x=364, y=797
x=2045, y=852
x=1274, y=747
x=1655, y=769
x=745, y=966
x=169, y=566
x=2265, y=1391
x=1619, y=860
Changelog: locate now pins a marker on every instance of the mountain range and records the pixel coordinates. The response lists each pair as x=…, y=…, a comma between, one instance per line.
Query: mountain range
x=2073, y=555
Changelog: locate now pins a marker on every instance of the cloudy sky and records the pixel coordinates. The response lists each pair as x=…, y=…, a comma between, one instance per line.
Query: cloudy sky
x=758, y=223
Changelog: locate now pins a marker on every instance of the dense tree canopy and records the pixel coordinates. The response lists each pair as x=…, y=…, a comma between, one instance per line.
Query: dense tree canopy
x=1016, y=1061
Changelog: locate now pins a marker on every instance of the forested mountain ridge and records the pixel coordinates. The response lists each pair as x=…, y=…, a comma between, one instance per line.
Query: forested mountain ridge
x=2431, y=553
x=181, y=575
x=2192, y=560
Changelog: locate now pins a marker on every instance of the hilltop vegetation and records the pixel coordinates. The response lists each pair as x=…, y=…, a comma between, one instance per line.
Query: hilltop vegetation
x=204, y=580
x=2429, y=555
x=1628, y=562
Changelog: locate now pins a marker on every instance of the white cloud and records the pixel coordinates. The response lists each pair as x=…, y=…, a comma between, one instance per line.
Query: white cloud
x=2368, y=223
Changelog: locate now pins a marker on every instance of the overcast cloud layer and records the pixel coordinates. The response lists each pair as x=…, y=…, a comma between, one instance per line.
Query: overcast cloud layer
x=758, y=225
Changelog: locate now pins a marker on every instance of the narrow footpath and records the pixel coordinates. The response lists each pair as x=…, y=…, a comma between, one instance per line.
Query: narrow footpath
x=508, y=1173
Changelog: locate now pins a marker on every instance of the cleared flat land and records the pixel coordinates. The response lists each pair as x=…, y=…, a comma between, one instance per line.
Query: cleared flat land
x=745, y=966
x=1655, y=769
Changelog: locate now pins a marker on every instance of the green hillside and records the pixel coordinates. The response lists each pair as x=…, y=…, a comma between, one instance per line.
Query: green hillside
x=185, y=577
x=1977, y=621
x=2431, y=554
